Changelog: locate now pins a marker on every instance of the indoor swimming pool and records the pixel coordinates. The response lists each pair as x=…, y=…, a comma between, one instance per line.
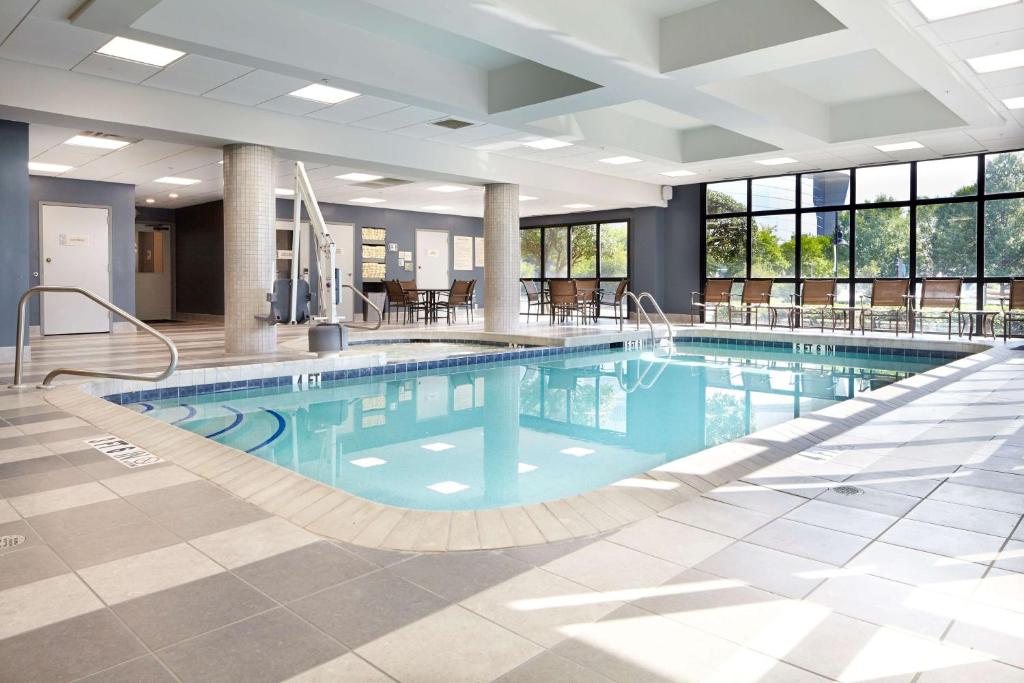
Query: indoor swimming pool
x=517, y=432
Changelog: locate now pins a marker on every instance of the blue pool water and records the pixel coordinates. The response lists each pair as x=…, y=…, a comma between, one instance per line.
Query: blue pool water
x=514, y=433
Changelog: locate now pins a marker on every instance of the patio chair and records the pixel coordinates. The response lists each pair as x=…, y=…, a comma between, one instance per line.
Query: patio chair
x=1012, y=307
x=816, y=296
x=588, y=295
x=717, y=293
x=415, y=300
x=535, y=297
x=396, y=299
x=755, y=297
x=889, y=300
x=940, y=300
x=616, y=299
x=457, y=297
x=563, y=300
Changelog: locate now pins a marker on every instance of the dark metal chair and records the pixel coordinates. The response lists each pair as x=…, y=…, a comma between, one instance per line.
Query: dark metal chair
x=535, y=297
x=457, y=297
x=563, y=299
x=1012, y=307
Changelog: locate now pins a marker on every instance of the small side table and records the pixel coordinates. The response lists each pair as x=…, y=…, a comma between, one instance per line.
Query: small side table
x=976, y=322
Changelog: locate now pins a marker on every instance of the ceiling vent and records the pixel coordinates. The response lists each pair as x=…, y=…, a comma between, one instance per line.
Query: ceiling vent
x=452, y=124
x=381, y=183
x=107, y=136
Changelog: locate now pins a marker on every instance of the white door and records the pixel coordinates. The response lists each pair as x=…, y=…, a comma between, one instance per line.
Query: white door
x=432, y=259
x=344, y=261
x=153, y=264
x=74, y=250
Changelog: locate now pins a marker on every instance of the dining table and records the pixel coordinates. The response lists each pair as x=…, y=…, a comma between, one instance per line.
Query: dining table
x=430, y=299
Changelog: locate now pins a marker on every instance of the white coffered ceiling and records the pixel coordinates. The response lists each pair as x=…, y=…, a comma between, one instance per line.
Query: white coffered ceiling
x=708, y=86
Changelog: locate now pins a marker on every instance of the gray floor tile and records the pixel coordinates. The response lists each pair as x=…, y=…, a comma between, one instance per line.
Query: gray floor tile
x=193, y=493
x=547, y=667
x=873, y=500
x=131, y=539
x=805, y=540
x=32, y=466
x=842, y=518
x=43, y=481
x=297, y=573
x=82, y=433
x=1012, y=557
x=999, y=481
x=267, y=647
x=201, y=520
x=85, y=520
x=142, y=670
x=170, y=616
x=26, y=565
x=767, y=569
x=543, y=553
x=476, y=571
x=16, y=442
x=943, y=540
x=31, y=418
x=989, y=499
x=42, y=409
x=965, y=517
x=18, y=528
x=68, y=649
x=366, y=608
x=378, y=556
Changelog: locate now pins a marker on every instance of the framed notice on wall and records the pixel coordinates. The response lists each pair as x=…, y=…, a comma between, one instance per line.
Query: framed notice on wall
x=463, y=253
x=479, y=248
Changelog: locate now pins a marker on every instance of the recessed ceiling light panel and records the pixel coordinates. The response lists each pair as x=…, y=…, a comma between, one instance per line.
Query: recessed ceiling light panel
x=620, y=160
x=173, y=180
x=173, y=195
x=578, y=206
x=367, y=200
x=997, y=62
x=899, y=146
x=934, y=10
x=48, y=168
x=448, y=188
x=777, y=161
x=137, y=51
x=359, y=177
x=324, y=94
x=678, y=173
x=437, y=207
x=150, y=200
x=547, y=143
x=97, y=142
x=284, y=192
x=526, y=198
x=1014, y=102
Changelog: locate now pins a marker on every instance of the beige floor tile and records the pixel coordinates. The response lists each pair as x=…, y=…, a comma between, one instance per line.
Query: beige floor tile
x=1002, y=589
x=255, y=541
x=679, y=543
x=607, y=566
x=7, y=513
x=943, y=540
x=65, y=498
x=411, y=652
x=539, y=605
x=139, y=575
x=758, y=498
x=718, y=517
x=141, y=482
x=965, y=517
x=992, y=630
x=972, y=672
x=41, y=603
x=348, y=667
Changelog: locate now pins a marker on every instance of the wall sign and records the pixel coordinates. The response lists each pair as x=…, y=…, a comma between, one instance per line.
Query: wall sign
x=478, y=243
x=463, y=253
x=125, y=452
x=73, y=240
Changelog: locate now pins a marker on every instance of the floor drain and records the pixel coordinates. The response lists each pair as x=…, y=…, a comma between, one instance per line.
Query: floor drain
x=848, y=490
x=12, y=541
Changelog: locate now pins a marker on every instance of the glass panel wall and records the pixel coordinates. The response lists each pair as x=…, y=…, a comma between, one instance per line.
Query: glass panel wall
x=594, y=250
x=958, y=217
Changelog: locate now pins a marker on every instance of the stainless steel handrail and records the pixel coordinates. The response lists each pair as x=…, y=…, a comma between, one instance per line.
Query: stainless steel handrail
x=20, y=348
x=380, y=318
x=661, y=314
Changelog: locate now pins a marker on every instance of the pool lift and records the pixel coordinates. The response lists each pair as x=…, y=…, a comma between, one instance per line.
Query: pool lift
x=328, y=332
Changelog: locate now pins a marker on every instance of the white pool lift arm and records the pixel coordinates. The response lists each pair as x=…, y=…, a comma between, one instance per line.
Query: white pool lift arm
x=328, y=292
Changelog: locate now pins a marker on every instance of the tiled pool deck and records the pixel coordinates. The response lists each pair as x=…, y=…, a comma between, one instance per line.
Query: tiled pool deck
x=744, y=565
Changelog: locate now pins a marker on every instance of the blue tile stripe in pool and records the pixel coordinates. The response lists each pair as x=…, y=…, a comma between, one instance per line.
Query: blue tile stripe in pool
x=511, y=356
x=923, y=354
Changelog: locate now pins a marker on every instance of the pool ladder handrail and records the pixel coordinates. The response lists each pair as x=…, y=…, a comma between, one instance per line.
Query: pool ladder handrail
x=638, y=302
x=376, y=309
x=20, y=347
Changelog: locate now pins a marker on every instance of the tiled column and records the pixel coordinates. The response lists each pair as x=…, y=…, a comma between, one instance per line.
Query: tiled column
x=249, y=248
x=501, y=255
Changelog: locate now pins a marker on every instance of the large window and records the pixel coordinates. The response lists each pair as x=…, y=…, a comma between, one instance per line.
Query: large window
x=957, y=217
x=583, y=250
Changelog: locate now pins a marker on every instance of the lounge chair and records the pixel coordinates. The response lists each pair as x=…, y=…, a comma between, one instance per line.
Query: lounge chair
x=816, y=296
x=563, y=299
x=940, y=300
x=535, y=297
x=889, y=300
x=458, y=296
x=1012, y=307
x=717, y=293
x=616, y=299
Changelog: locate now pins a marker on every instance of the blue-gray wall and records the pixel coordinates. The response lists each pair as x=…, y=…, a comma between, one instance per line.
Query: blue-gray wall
x=13, y=224
x=121, y=199
x=664, y=245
